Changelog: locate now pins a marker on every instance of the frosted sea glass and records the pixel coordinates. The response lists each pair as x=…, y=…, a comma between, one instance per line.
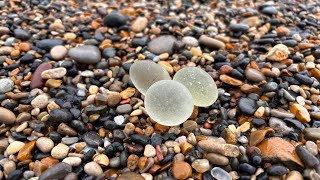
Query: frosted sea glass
x=201, y=85
x=144, y=73
x=168, y=102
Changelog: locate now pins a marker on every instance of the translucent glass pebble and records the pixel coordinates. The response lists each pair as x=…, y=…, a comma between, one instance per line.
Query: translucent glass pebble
x=168, y=103
x=219, y=173
x=201, y=85
x=144, y=73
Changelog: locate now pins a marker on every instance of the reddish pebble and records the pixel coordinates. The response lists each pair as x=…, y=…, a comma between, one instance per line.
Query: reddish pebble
x=37, y=81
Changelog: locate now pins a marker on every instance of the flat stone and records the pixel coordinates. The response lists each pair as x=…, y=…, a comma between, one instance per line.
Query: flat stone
x=276, y=149
x=217, y=147
x=230, y=80
x=7, y=116
x=254, y=75
x=37, y=81
x=162, y=44
x=124, y=109
x=6, y=85
x=55, y=73
x=92, y=139
x=59, y=171
x=312, y=134
x=48, y=44
x=216, y=159
x=87, y=54
x=130, y=175
x=211, y=42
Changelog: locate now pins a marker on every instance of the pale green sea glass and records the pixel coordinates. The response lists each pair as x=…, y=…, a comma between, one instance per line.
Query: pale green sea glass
x=144, y=73
x=168, y=102
x=200, y=84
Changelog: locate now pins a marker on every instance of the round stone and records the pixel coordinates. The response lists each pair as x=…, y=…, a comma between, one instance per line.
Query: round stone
x=119, y=119
x=169, y=103
x=40, y=101
x=145, y=73
x=162, y=44
x=14, y=147
x=44, y=144
x=73, y=161
x=149, y=151
x=200, y=165
x=181, y=170
x=93, y=169
x=60, y=151
x=114, y=19
x=7, y=116
x=58, y=52
x=201, y=85
x=6, y=85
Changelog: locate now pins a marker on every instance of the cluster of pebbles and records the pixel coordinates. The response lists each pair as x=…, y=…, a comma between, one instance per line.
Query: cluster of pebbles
x=70, y=111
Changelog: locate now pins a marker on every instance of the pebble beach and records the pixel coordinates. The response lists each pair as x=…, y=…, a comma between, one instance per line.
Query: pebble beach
x=69, y=110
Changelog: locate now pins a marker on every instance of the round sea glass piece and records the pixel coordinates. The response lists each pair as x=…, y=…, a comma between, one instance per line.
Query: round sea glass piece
x=168, y=102
x=145, y=73
x=200, y=84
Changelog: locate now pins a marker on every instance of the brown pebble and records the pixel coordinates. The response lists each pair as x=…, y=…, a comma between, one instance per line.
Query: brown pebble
x=181, y=170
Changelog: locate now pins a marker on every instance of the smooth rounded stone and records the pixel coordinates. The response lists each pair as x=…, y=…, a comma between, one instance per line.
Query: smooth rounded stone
x=303, y=79
x=114, y=162
x=109, y=52
x=21, y=34
x=162, y=44
x=58, y=52
x=239, y=28
x=247, y=106
x=48, y=44
x=130, y=175
x=6, y=50
x=124, y=109
x=60, y=151
x=169, y=103
x=270, y=87
x=71, y=176
x=217, y=147
x=93, y=169
x=139, y=24
x=181, y=170
x=8, y=167
x=294, y=175
x=279, y=52
x=37, y=81
x=69, y=140
x=211, y=42
x=216, y=159
x=308, y=159
x=7, y=116
x=202, y=87
x=190, y=125
x=4, y=30
x=201, y=165
x=312, y=134
x=277, y=170
x=145, y=73
x=28, y=174
x=190, y=41
x=60, y=115
x=40, y=101
x=114, y=19
x=92, y=139
x=55, y=73
x=279, y=126
x=219, y=173
x=14, y=147
x=44, y=144
x=58, y=171
x=245, y=167
x=119, y=119
x=73, y=161
x=6, y=85
x=300, y=112
x=149, y=151
x=254, y=75
x=86, y=54
x=15, y=175
x=312, y=147
x=252, y=21
x=269, y=10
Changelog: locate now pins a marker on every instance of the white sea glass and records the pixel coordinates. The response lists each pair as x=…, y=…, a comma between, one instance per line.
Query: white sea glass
x=144, y=73
x=168, y=102
x=200, y=84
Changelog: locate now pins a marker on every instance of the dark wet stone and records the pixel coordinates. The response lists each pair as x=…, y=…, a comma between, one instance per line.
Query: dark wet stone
x=79, y=126
x=124, y=158
x=270, y=87
x=88, y=155
x=140, y=139
x=92, y=139
x=143, y=41
x=109, y=53
x=21, y=34
x=247, y=106
x=156, y=139
x=27, y=58
x=245, y=167
x=60, y=115
x=110, y=151
x=48, y=44
x=303, y=79
x=19, y=136
x=114, y=19
x=16, y=175
x=110, y=125
x=307, y=158
x=92, y=109
x=258, y=122
x=118, y=135
x=277, y=170
x=238, y=28
x=58, y=171
x=269, y=10
x=55, y=136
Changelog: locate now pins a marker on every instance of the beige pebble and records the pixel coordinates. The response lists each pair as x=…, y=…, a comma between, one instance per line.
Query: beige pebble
x=14, y=147
x=73, y=161
x=60, y=151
